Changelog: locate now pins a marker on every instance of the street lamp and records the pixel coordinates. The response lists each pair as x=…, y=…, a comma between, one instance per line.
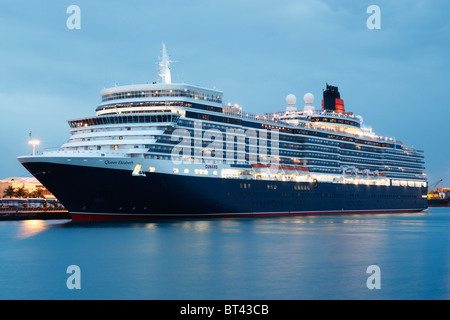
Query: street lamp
x=34, y=143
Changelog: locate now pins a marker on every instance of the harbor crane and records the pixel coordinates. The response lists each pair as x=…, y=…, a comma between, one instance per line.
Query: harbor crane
x=434, y=186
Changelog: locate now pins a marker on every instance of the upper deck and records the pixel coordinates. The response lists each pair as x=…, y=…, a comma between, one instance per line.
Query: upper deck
x=156, y=91
x=132, y=104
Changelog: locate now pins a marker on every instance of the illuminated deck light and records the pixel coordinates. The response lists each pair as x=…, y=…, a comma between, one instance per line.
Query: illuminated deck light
x=34, y=143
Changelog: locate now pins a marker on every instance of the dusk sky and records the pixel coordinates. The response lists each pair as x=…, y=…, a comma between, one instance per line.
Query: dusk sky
x=256, y=52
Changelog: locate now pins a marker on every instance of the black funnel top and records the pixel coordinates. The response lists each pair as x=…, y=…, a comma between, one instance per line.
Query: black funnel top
x=330, y=94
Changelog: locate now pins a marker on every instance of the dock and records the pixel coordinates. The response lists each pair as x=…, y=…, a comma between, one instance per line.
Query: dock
x=10, y=215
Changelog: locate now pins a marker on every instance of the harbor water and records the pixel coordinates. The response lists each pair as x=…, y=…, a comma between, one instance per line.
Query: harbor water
x=407, y=256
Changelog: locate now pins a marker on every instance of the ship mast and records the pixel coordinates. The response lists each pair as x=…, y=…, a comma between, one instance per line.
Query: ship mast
x=164, y=66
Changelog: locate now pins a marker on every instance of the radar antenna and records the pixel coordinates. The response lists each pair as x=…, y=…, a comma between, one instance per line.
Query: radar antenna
x=164, y=66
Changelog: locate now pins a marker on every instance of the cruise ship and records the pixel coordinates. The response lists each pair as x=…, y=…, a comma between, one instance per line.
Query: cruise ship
x=175, y=150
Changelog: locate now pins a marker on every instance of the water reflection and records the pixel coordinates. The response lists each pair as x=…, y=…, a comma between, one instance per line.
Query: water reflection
x=239, y=258
x=288, y=224
x=196, y=225
x=29, y=228
x=151, y=225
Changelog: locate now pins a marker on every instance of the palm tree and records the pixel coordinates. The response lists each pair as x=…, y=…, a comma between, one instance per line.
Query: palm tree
x=21, y=192
x=38, y=193
x=9, y=192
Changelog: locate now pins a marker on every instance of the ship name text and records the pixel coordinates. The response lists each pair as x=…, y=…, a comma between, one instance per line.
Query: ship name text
x=108, y=162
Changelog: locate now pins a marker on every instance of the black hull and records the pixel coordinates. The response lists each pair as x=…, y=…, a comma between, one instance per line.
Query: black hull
x=438, y=202
x=91, y=193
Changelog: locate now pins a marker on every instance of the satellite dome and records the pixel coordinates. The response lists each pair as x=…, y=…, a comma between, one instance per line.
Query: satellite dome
x=290, y=100
x=359, y=118
x=308, y=98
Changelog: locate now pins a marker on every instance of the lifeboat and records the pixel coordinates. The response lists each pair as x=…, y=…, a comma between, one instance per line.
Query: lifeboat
x=351, y=172
x=259, y=166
